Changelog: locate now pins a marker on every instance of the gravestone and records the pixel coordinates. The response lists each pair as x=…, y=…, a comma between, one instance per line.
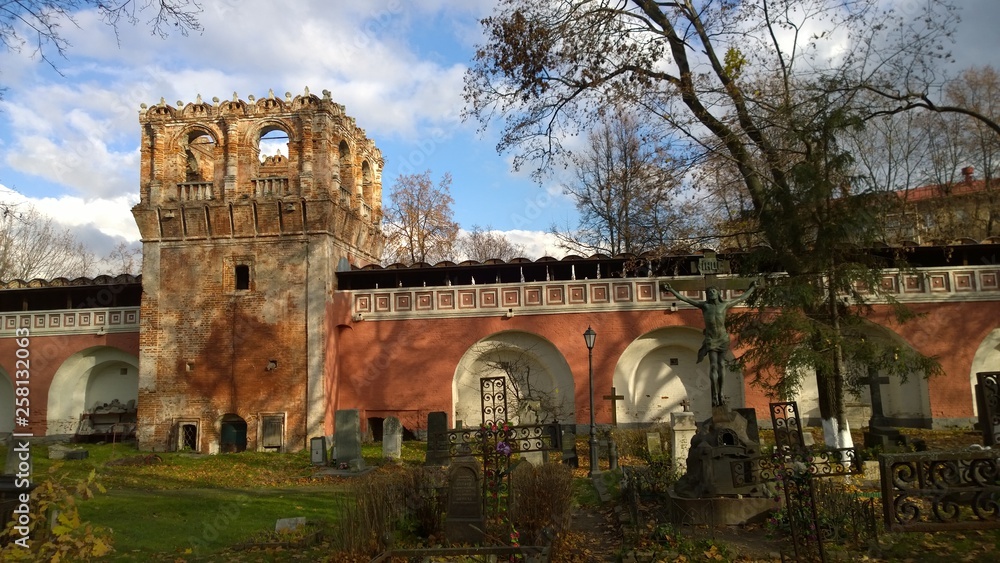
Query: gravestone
x=464, y=521
x=569, y=449
x=392, y=438
x=682, y=431
x=348, y=439
x=653, y=444
x=289, y=525
x=437, y=439
x=530, y=416
x=988, y=405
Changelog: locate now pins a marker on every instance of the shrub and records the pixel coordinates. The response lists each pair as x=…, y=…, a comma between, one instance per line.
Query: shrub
x=547, y=493
x=385, y=502
x=56, y=532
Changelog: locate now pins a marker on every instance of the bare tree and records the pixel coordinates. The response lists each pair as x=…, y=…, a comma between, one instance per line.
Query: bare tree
x=36, y=24
x=626, y=188
x=33, y=246
x=419, y=221
x=481, y=244
x=123, y=259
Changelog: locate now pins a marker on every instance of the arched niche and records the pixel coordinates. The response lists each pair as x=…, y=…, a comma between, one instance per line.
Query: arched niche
x=548, y=374
x=987, y=358
x=343, y=175
x=86, y=378
x=191, y=176
x=905, y=398
x=659, y=370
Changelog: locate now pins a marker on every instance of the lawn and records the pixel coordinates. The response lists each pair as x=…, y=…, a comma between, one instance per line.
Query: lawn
x=198, y=508
x=192, y=507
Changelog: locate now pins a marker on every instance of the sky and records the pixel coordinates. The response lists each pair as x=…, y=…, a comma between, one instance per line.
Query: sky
x=69, y=137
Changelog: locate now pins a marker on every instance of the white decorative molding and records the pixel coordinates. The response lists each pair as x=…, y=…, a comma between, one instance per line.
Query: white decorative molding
x=71, y=321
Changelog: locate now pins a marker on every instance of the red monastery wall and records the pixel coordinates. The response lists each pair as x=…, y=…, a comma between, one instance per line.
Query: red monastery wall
x=409, y=361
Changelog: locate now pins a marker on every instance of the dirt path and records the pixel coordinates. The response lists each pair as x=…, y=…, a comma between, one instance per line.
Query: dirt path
x=593, y=537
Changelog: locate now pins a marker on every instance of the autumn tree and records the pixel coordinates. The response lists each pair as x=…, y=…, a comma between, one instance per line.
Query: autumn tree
x=34, y=246
x=419, y=224
x=481, y=244
x=626, y=186
x=753, y=83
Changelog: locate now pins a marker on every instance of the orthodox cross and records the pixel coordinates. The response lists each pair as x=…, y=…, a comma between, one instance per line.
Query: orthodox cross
x=614, y=398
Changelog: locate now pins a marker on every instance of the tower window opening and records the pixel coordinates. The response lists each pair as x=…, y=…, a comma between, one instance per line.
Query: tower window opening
x=242, y=277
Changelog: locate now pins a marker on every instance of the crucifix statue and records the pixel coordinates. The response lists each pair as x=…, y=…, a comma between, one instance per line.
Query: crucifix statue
x=716, y=341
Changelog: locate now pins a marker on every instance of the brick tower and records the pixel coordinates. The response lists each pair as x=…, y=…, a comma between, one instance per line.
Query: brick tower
x=240, y=247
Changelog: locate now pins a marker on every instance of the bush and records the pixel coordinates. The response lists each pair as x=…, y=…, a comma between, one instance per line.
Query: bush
x=547, y=491
x=386, y=502
x=56, y=531
x=631, y=442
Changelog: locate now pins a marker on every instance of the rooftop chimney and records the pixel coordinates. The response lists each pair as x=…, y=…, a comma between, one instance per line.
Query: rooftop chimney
x=967, y=173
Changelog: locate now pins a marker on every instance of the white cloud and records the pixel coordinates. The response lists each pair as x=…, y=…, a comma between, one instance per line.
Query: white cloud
x=536, y=243
x=111, y=217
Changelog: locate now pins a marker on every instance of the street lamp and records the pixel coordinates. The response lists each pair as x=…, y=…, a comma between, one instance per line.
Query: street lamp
x=589, y=337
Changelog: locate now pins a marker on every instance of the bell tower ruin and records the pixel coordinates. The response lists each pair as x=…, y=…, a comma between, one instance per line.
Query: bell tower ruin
x=240, y=246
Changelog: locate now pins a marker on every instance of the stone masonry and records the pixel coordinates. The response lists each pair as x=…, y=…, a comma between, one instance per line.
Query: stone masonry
x=240, y=253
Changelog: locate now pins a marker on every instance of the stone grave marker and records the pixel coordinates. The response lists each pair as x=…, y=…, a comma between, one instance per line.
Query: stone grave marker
x=437, y=439
x=682, y=431
x=464, y=521
x=569, y=448
x=653, y=444
x=392, y=438
x=348, y=438
x=530, y=416
x=289, y=524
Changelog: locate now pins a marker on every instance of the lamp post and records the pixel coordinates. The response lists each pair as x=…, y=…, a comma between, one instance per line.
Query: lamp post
x=589, y=337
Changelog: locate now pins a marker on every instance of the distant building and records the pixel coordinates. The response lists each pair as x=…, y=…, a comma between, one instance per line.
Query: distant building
x=964, y=212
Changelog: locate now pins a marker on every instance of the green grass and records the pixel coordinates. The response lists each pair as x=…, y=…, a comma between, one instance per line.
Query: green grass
x=200, y=524
x=195, y=507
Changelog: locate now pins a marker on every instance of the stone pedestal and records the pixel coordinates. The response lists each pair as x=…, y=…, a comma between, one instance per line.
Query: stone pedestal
x=682, y=430
x=718, y=512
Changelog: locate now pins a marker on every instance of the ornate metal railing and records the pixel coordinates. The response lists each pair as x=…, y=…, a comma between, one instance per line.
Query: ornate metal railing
x=938, y=491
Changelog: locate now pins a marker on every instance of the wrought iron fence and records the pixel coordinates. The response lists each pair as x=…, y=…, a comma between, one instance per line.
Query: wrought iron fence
x=936, y=491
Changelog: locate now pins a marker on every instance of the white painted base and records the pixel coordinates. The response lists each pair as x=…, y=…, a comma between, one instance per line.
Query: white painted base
x=836, y=437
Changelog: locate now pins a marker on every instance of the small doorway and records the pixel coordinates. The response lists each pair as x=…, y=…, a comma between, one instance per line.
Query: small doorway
x=233, y=434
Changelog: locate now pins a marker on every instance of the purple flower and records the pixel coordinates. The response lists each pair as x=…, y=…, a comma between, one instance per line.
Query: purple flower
x=504, y=448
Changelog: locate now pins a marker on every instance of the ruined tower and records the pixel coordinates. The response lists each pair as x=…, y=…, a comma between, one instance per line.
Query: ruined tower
x=240, y=246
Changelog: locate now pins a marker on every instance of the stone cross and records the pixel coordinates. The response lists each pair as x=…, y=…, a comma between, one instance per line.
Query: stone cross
x=875, y=384
x=614, y=398
x=687, y=405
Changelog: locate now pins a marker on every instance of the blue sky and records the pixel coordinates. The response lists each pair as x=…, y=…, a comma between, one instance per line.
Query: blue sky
x=69, y=139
